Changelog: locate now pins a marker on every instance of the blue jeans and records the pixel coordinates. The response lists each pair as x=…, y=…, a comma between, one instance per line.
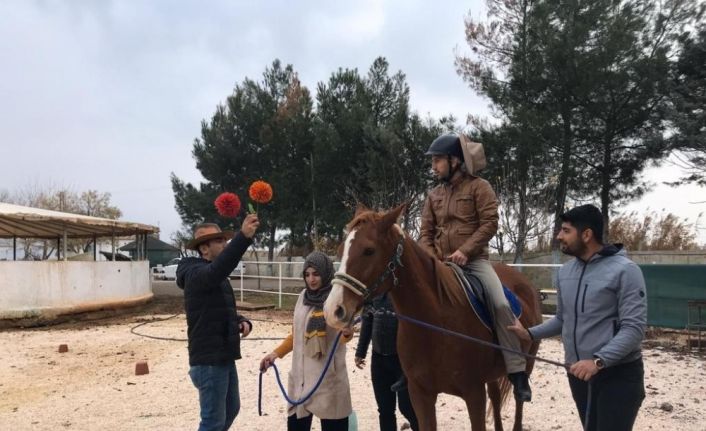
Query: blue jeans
x=219, y=396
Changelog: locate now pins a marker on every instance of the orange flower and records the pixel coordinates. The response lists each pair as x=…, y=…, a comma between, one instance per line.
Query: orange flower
x=260, y=192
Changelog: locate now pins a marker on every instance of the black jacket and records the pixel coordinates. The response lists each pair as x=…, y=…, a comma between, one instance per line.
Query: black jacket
x=380, y=327
x=211, y=317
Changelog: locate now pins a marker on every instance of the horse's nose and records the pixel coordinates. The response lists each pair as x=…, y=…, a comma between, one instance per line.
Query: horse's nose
x=340, y=313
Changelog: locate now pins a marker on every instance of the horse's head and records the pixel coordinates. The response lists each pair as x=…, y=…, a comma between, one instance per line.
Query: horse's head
x=371, y=251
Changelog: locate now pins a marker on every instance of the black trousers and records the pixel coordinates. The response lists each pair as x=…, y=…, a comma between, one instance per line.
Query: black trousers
x=616, y=395
x=304, y=424
x=386, y=370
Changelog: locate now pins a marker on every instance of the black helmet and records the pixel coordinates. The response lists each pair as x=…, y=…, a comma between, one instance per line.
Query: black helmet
x=448, y=144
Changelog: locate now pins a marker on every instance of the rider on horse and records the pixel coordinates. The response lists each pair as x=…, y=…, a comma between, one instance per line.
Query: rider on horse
x=459, y=218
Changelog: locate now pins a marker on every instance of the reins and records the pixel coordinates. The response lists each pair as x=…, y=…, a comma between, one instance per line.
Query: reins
x=395, y=261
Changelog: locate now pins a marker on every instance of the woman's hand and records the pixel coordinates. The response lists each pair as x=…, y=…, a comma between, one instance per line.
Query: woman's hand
x=347, y=332
x=267, y=361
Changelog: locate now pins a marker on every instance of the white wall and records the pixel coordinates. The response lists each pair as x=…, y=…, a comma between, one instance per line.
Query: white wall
x=42, y=289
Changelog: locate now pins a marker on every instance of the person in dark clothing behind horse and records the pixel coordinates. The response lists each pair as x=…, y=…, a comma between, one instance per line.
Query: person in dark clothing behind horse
x=459, y=218
x=385, y=367
x=601, y=316
x=214, y=326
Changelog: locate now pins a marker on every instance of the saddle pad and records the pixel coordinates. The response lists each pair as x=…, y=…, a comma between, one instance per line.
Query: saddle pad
x=475, y=292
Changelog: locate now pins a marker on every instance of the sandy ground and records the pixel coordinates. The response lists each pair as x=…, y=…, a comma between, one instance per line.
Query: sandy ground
x=93, y=386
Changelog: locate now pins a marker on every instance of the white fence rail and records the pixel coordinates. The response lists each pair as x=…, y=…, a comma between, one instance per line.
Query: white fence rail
x=280, y=277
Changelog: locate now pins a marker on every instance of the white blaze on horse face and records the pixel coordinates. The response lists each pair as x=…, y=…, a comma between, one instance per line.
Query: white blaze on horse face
x=346, y=251
x=335, y=297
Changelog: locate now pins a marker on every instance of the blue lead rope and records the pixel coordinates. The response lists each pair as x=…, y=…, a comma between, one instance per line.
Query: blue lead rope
x=284, y=391
x=411, y=320
x=306, y=397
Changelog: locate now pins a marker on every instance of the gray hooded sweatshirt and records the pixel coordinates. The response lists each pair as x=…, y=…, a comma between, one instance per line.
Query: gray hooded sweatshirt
x=601, y=308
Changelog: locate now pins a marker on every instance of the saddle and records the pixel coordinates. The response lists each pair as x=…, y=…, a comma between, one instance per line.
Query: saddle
x=476, y=295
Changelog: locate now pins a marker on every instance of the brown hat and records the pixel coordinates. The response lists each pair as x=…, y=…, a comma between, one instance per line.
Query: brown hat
x=473, y=155
x=207, y=232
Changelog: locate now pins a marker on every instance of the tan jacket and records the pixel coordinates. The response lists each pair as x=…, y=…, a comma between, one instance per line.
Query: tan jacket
x=461, y=215
x=332, y=400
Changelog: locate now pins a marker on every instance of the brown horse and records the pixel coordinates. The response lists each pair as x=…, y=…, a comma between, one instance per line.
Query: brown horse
x=379, y=257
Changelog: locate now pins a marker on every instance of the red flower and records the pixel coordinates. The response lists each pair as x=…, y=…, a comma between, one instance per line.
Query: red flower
x=260, y=192
x=228, y=204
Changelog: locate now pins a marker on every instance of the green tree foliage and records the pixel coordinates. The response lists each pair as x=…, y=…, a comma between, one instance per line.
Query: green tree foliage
x=582, y=82
x=688, y=115
x=370, y=148
x=504, y=67
x=360, y=142
x=262, y=132
x=623, y=120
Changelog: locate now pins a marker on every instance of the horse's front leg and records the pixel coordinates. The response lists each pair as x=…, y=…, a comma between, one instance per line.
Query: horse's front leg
x=475, y=402
x=424, y=404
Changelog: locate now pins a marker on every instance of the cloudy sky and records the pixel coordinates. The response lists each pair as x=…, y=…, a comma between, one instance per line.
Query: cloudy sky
x=110, y=95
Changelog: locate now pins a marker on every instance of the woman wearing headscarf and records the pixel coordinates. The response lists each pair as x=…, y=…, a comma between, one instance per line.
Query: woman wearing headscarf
x=310, y=343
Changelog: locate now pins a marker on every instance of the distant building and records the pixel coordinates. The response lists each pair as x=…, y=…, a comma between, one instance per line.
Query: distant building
x=41, y=291
x=158, y=252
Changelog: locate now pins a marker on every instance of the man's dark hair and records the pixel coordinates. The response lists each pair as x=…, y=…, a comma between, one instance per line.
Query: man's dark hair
x=585, y=217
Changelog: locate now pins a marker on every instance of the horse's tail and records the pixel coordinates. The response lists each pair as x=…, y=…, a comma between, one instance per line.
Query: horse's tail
x=498, y=392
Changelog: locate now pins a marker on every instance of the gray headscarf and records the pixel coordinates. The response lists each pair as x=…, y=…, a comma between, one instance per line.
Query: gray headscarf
x=324, y=266
x=315, y=333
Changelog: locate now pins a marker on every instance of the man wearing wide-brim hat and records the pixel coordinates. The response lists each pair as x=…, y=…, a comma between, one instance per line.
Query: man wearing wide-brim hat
x=214, y=326
x=459, y=218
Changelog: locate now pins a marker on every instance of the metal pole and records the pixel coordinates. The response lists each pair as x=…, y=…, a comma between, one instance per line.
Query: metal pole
x=241, y=283
x=64, y=245
x=280, y=284
x=14, y=248
x=95, y=248
x=313, y=202
x=58, y=248
x=113, y=243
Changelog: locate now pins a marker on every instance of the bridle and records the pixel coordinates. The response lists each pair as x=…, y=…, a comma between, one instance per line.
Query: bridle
x=360, y=289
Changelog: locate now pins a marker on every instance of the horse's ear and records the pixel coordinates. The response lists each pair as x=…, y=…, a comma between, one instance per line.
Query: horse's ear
x=360, y=208
x=393, y=215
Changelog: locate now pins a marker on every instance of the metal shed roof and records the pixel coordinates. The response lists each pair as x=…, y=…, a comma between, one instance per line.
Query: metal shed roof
x=18, y=221
x=153, y=244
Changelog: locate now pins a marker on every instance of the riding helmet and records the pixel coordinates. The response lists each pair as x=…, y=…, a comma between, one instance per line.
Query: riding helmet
x=447, y=144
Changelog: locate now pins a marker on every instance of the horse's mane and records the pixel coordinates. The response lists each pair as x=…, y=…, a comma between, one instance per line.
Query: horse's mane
x=367, y=216
x=447, y=288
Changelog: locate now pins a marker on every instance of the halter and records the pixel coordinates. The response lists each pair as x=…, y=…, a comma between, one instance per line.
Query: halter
x=360, y=289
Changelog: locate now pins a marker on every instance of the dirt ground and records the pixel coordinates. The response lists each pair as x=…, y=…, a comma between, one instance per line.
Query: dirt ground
x=93, y=386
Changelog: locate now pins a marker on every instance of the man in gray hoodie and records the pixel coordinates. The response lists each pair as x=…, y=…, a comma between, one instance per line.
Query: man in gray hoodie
x=601, y=316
